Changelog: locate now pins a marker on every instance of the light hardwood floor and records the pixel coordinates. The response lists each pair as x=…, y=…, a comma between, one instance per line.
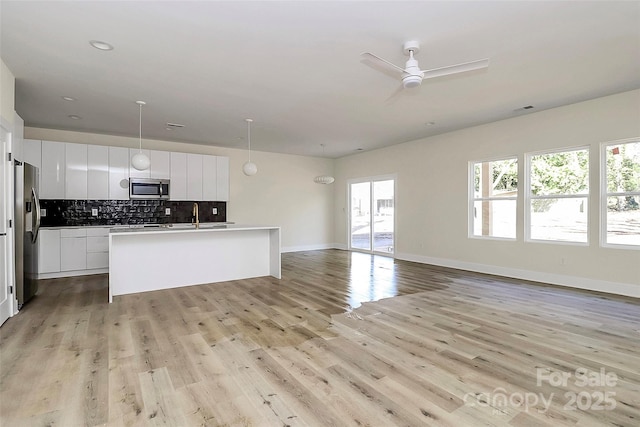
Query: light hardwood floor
x=443, y=347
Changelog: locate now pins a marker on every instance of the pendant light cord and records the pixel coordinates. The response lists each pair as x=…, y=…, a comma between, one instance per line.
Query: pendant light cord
x=140, y=134
x=249, y=136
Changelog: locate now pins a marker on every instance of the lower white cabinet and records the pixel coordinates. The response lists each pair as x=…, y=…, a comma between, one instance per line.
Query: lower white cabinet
x=73, y=249
x=97, y=247
x=48, y=251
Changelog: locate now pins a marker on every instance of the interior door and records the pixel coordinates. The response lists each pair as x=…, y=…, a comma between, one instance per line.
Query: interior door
x=6, y=303
x=372, y=215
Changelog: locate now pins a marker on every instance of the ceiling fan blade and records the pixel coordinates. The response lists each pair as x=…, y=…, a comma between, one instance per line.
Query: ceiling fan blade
x=382, y=64
x=455, y=69
x=395, y=95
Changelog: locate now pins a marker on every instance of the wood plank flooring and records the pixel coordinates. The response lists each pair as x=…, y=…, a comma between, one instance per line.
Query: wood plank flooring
x=344, y=339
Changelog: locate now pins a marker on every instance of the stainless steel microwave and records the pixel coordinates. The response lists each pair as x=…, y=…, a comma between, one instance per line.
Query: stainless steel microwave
x=145, y=188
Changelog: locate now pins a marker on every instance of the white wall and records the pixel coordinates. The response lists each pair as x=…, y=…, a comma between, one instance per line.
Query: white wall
x=7, y=93
x=282, y=193
x=432, y=201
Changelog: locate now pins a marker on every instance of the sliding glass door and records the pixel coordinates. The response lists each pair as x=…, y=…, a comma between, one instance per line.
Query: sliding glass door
x=371, y=219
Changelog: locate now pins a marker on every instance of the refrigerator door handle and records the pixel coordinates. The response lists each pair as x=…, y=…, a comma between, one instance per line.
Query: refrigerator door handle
x=36, y=216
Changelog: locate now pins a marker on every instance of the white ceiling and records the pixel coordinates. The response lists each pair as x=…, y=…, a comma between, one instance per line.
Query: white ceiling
x=295, y=67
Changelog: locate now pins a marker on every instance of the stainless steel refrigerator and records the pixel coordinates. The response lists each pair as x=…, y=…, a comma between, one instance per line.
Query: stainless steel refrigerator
x=27, y=225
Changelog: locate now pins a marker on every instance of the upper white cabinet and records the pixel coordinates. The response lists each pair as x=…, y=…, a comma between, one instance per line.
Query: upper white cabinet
x=222, y=179
x=118, y=173
x=52, y=172
x=194, y=176
x=94, y=172
x=178, y=176
x=160, y=164
x=75, y=172
x=135, y=173
x=32, y=152
x=97, y=172
x=209, y=178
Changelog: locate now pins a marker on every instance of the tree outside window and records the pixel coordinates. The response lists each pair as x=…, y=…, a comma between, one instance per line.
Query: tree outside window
x=621, y=219
x=493, y=204
x=558, y=196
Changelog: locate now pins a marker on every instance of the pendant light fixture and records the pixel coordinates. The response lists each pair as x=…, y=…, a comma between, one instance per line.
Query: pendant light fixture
x=249, y=168
x=139, y=160
x=323, y=179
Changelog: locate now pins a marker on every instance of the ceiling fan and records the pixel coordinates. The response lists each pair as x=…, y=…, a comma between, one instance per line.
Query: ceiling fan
x=412, y=75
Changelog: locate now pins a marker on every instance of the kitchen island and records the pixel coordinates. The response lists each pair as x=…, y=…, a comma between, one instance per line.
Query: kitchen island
x=149, y=259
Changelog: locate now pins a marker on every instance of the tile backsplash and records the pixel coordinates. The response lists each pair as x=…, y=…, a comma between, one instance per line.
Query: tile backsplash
x=61, y=213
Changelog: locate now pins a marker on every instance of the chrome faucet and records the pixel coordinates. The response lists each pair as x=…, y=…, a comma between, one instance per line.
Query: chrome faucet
x=196, y=215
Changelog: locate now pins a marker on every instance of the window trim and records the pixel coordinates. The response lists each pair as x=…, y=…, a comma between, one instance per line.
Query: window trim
x=528, y=197
x=604, y=194
x=471, y=199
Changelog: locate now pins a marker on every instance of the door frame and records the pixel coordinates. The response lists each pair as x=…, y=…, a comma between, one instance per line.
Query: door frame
x=9, y=305
x=371, y=180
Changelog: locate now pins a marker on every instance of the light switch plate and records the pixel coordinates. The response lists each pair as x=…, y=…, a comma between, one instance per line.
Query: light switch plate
x=43, y=212
x=167, y=211
x=214, y=211
x=94, y=211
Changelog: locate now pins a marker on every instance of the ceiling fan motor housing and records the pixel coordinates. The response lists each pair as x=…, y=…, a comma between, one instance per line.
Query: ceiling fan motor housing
x=411, y=81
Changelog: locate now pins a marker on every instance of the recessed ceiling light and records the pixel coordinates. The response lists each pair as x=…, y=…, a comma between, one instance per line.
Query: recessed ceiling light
x=69, y=98
x=100, y=45
x=430, y=123
x=74, y=117
x=359, y=149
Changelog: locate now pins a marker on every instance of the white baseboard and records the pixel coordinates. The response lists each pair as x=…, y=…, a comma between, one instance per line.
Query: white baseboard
x=307, y=248
x=74, y=273
x=626, y=289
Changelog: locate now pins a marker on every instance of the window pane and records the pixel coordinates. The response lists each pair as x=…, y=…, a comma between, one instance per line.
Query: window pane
x=360, y=214
x=383, y=216
x=623, y=220
x=560, y=173
x=496, y=179
x=623, y=167
x=495, y=218
x=559, y=219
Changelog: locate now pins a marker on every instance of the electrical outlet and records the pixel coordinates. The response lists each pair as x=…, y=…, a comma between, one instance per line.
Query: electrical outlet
x=214, y=211
x=167, y=211
x=94, y=211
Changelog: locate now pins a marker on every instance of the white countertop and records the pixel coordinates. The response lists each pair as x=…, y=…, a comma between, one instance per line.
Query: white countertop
x=189, y=228
x=135, y=226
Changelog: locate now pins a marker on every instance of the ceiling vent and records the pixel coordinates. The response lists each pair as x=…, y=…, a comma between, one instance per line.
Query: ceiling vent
x=174, y=125
x=525, y=108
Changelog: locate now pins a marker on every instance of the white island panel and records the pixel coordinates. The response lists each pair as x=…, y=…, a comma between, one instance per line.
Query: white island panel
x=148, y=260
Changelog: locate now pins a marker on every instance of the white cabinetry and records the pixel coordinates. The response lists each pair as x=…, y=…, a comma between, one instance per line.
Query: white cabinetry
x=160, y=164
x=222, y=179
x=194, y=176
x=135, y=173
x=118, y=173
x=73, y=249
x=49, y=251
x=52, y=172
x=32, y=152
x=97, y=247
x=209, y=178
x=178, y=176
x=75, y=171
x=97, y=172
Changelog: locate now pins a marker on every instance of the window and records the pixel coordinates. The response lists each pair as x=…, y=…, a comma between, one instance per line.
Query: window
x=493, y=200
x=558, y=196
x=621, y=189
x=371, y=222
